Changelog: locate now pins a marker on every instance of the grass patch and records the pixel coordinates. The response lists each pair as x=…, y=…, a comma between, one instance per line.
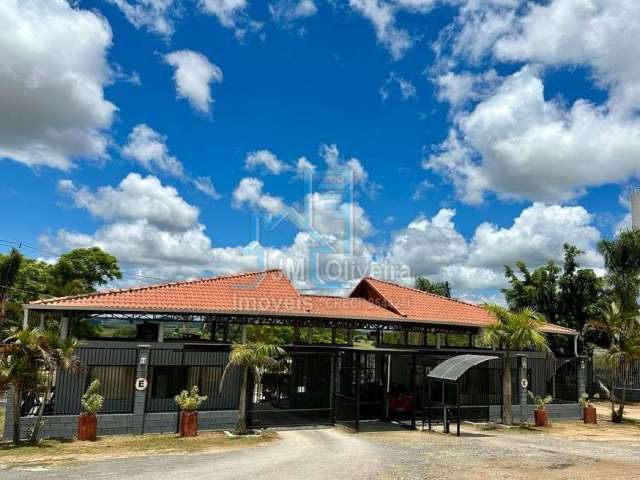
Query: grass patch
x=54, y=451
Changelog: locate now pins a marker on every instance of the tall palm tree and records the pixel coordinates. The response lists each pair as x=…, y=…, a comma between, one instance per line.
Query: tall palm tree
x=250, y=357
x=9, y=268
x=513, y=331
x=623, y=330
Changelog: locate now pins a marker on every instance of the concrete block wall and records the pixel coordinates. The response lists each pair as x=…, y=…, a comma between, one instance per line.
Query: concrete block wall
x=557, y=411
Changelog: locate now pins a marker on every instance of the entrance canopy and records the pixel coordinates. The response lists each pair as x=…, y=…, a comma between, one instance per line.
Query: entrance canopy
x=452, y=369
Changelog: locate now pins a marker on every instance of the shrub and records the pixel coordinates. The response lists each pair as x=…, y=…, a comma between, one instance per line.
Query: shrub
x=189, y=401
x=540, y=401
x=585, y=401
x=92, y=400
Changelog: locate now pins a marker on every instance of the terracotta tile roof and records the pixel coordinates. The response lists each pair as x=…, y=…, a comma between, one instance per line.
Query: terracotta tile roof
x=271, y=292
x=268, y=291
x=329, y=306
x=414, y=304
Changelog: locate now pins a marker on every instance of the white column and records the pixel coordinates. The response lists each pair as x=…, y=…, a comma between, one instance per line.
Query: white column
x=25, y=318
x=64, y=328
x=244, y=334
x=41, y=326
x=160, y=332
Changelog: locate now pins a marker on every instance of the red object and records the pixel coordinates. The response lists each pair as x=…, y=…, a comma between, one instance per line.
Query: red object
x=542, y=420
x=401, y=403
x=188, y=424
x=589, y=415
x=87, y=427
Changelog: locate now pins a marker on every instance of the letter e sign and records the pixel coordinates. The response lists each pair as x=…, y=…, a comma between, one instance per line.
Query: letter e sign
x=141, y=384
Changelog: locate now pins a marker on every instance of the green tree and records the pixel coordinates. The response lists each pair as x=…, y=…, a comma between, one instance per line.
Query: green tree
x=567, y=296
x=622, y=328
x=622, y=260
x=438, y=288
x=84, y=269
x=256, y=358
x=9, y=268
x=513, y=331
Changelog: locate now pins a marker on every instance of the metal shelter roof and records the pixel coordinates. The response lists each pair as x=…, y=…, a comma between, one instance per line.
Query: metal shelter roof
x=453, y=368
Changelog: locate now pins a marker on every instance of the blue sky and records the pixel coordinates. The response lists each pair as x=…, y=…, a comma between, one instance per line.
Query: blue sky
x=480, y=134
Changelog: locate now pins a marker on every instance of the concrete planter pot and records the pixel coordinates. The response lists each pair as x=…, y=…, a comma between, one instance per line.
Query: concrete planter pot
x=541, y=418
x=589, y=415
x=188, y=424
x=87, y=427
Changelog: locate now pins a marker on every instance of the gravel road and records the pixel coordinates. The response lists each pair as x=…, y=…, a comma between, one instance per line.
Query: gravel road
x=335, y=454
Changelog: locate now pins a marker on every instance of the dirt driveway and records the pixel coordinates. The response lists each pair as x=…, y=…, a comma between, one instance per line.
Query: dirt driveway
x=564, y=451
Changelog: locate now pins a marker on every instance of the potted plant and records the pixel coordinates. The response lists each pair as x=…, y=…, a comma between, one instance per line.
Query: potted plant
x=188, y=402
x=588, y=410
x=540, y=413
x=91, y=404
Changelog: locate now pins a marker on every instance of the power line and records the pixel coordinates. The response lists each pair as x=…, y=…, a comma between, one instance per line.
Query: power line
x=21, y=244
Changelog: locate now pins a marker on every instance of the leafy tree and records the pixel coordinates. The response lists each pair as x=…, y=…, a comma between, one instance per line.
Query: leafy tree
x=622, y=328
x=513, y=331
x=256, y=358
x=9, y=268
x=438, y=288
x=84, y=269
x=622, y=260
x=567, y=296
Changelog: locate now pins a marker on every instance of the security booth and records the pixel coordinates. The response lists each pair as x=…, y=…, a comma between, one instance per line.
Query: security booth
x=443, y=389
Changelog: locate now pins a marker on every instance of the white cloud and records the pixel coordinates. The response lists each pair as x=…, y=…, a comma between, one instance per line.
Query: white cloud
x=135, y=198
x=193, y=76
x=435, y=247
x=304, y=166
x=331, y=156
x=519, y=145
x=460, y=88
x=288, y=11
x=205, y=185
x=231, y=14
x=382, y=15
x=602, y=34
x=149, y=149
x=249, y=191
x=157, y=16
x=54, y=69
x=267, y=160
x=406, y=89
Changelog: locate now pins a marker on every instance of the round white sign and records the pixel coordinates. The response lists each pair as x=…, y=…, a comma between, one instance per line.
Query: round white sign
x=524, y=383
x=141, y=384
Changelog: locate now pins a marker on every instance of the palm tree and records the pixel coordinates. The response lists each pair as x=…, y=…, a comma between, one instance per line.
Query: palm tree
x=250, y=357
x=513, y=331
x=19, y=369
x=623, y=330
x=56, y=354
x=9, y=268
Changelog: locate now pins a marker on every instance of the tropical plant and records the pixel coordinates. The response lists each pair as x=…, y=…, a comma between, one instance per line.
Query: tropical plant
x=512, y=331
x=438, y=288
x=190, y=401
x=9, y=268
x=622, y=328
x=56, y=354
x=257, y=358
x=585, y=400
x=540, y=401
x=92, y=400
x=622, y=260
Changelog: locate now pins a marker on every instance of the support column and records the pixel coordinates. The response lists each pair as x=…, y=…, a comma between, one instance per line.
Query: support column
x=244, y=334
x=438, y=340
x=582, y=376
x=64, y=328
x=160, y=332
x=522, y=391
x=140, y=396
x=41, y=325
x=25, y=318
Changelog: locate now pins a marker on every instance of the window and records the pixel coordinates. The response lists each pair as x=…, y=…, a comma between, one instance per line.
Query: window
x=416, y=338
x=393, y=338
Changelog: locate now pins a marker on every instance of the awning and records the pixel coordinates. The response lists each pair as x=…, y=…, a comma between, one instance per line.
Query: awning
x=452, y=369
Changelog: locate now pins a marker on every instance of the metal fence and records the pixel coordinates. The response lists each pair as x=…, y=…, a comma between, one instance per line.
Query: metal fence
x=613, y=375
